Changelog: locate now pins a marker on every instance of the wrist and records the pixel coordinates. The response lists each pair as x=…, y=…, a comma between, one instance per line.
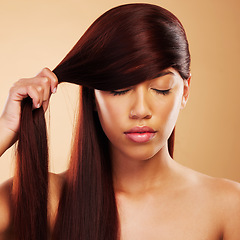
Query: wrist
x=7, y=137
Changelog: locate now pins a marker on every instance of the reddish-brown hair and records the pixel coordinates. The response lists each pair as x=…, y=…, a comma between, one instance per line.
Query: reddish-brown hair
x=127, y=45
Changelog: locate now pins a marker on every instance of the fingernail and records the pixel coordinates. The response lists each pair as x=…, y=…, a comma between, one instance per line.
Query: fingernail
x=54, y=90
x=38, y=106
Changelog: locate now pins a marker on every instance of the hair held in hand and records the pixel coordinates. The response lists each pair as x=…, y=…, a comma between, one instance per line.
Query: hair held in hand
x=125, y=46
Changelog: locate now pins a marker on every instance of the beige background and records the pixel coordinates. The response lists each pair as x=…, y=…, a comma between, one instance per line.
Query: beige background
x=35, y=34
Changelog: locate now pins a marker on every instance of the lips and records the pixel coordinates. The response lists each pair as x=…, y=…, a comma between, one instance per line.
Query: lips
x=140, y=134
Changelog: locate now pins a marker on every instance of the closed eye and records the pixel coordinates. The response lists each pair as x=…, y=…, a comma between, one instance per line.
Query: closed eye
x=163, y=92
x=118, y=93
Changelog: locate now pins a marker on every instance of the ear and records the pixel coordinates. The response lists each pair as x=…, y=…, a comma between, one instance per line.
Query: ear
x=186, y=89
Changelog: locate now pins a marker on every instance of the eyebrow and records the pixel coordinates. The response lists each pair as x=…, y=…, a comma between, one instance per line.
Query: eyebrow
x=164, y=73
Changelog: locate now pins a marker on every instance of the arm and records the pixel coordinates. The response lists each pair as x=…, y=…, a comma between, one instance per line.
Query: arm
x=7, y=137
x=5, y=209
x=39, y=88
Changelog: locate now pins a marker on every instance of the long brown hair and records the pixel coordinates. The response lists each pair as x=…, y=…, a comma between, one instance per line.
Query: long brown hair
x=127, y=45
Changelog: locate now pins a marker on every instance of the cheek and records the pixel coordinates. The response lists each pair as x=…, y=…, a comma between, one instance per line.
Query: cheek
x=110, y=115
x=165, y=114
x=171, y=112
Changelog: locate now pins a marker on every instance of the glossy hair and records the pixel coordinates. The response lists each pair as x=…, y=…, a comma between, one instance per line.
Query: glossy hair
x=125, y=46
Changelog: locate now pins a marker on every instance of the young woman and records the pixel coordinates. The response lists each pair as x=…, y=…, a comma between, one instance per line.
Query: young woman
x=133, y=65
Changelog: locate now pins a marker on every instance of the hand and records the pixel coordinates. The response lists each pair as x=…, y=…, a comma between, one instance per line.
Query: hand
x=39, y=88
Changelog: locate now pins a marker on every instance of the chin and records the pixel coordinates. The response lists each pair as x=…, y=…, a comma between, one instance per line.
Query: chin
x=140, y=153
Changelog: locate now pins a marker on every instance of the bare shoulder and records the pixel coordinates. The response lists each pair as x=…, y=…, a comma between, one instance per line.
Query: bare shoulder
x=224, y=189
x=222, y=198
x=56, y=182
x=224, y=192
x=5, y=206
x=228, y=193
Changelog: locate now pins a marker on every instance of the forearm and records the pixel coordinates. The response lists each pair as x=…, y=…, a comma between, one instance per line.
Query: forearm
x=39, y=89
x=7, y=137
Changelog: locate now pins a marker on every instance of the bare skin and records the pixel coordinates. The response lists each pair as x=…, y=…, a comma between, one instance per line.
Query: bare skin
x=157, y=198
x=189, y=206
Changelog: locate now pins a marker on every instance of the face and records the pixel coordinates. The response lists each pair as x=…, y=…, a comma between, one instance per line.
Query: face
x=139, y=120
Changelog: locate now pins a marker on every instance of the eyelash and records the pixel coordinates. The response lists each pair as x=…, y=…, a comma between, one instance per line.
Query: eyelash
x=119, y=93
x=163, y=92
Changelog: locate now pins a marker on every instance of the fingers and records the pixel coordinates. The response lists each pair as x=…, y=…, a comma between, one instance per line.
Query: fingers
x=39, y=93
x=45, y=105
x=39, y=88
x=46, y=72
x=33, y=93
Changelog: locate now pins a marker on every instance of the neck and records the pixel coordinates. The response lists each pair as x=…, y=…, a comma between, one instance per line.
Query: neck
x=136, y=176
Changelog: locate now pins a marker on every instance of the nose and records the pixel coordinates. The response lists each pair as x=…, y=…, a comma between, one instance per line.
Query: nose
x=140, y=108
